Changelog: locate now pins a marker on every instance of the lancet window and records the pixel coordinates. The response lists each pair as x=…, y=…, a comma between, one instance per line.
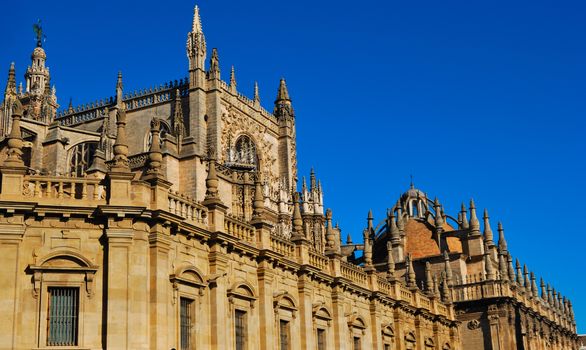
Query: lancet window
x=81, y=158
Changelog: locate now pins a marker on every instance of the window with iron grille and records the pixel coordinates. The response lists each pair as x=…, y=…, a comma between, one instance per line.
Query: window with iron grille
x=240, y=329
x=321, y=339
x=63, y=316
x=186, y=316
x=81, y=158
x=284, y=334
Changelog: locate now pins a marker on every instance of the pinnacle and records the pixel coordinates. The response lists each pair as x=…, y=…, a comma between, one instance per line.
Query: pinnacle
x=196, y=25
x=283, y=93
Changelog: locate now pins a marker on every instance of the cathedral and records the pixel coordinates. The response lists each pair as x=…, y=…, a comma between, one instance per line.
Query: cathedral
x=173, y=217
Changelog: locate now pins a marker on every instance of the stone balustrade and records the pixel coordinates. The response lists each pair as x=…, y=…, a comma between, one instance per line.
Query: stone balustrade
x=239, y=229
x=354, y=273
x=63, y=190
x=188, y=209
x=320, y=261
x=282, y=246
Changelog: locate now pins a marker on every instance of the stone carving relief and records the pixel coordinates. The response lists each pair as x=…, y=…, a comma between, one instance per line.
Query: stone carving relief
x=474, y=324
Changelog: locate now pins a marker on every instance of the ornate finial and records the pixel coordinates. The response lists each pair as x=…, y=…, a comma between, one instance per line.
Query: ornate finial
x=11, y=83
x=259, y=198
x=428, y=279
x=196, y=24
x=312, y=182
x=39, y=34
x=120, y=146
x=464, y=218
x=256, y=94
x=503, y=267
x=14, y=142
x=390, y=262
x=488, y=237
x=196, y=44
x=212, y=178
x=283, y=93
x=119, y=90
x=511, y=268
x=474, y=223
x=232, y=80
x=533, y=285
x=411, y=185
x=297, y=219
x=502, y=242
x=439, y=220
x=411, y=282
x=155, y=156
x=448, y=268
x=490, y=275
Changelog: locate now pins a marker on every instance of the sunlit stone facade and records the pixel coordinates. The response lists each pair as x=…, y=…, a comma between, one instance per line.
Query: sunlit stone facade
x=173, y=217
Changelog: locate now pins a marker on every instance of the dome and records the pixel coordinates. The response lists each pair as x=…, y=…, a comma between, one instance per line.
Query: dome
x=38, y=52
x=419, y=240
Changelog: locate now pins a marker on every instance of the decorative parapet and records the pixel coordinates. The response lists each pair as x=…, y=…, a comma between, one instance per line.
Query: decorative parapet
x=63, y=190
x=486, y=289
x=282, y=246
x=320, y=261
x=354, y=273
x=134, y=100
x=239, y=229
x=187, y=208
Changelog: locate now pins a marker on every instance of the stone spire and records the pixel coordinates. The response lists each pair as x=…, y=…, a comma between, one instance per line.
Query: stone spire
x=448, y=268
x=549, y=295
x=214, y=71
x=439, y=220
x=212, y=181
x=503, y=267
x=120, y=146
x=464, y=213
x=390, y=262
x=283, y=107
x=445, y=291
x=14, y=142
x=519, y=273
x=332, y=246
x=256, y=97
x=436, y=290
x=410, y=273
x=232, y=80
x=526, y=282
x=155, y=156
x=297, y=219
x=258, y=206
x=119, y=91
x=178, y=124
x=543, y=289
x=474, y=223
x=511, y=268
x=394, y=230
x=502, y=242
x=11, y=82
x=533, y=285
x=428, y=279
x=488, y=236
x=196, y=50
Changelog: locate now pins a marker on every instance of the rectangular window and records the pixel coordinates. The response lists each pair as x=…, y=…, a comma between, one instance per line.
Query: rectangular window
x=186, y=316
x=284, y=334
x=240, y=329
x=63, y=316
x=321, y=339
x=357, y=343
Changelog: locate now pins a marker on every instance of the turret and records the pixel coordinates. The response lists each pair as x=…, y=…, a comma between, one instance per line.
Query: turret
x=285, y=117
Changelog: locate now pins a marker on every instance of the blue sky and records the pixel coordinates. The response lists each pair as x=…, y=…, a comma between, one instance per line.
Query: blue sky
x=474, y=99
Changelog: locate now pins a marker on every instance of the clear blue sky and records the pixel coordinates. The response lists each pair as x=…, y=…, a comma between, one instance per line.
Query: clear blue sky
x=475, y=99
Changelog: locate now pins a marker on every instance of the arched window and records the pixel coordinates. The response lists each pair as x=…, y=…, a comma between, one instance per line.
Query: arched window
x=243, y=154
x=81, y=158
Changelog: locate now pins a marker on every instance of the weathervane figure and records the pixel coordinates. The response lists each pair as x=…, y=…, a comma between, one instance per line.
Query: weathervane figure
x=39, y=33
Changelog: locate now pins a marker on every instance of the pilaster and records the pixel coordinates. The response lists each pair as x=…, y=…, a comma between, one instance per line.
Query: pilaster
x=266, y=312
x=159, y=246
